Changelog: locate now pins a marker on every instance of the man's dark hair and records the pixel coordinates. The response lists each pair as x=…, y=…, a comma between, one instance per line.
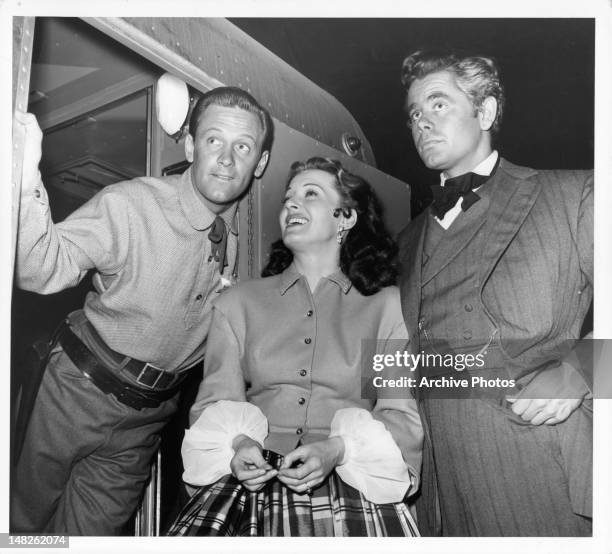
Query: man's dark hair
x=233, y=97
x=368, y=253
x=478, y=77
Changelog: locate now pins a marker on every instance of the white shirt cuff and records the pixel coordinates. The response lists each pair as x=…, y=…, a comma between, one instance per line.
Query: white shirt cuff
x=207, y=446
x=372, y=462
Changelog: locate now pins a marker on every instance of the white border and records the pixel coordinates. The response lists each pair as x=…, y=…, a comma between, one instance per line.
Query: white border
x=600, y=9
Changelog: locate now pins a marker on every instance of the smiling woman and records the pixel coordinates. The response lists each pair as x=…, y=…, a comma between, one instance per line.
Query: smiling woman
x=366, y=253
x=77, y=68
x=309, y=220
x=303, y=439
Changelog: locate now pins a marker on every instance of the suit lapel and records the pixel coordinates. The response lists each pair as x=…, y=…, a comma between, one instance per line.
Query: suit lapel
x=459, y=235
x=411, y=256
x=513, y=195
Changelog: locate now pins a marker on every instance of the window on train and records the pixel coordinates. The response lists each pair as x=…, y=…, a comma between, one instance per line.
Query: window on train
x=100, y=148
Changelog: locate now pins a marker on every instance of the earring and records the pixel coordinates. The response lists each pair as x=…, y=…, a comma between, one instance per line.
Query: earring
x=339, y=235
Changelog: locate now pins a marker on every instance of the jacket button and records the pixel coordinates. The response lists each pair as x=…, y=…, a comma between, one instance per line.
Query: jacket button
x=308, y=340
x=309, y=313
x=301, y=401
x=303, y=372
x=467, y=335
x=299, y=431
x=468, y=307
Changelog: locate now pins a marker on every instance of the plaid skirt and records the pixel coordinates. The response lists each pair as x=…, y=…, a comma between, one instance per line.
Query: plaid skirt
x=334, y=508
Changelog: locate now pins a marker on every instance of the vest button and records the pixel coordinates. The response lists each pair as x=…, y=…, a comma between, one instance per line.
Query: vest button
x=308, y=340
x=301, y=401
x=467, y=335
x=299, y=431
x=468, y=307
x=303, y=372
x=309, y=313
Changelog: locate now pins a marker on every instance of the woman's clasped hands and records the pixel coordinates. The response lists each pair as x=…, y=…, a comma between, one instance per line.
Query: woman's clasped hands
x=248, y=464
x=302, y=469
x=307, y=466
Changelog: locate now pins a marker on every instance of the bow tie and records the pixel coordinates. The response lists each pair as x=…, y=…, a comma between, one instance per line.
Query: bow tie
x=445, y=197
x=218, y=241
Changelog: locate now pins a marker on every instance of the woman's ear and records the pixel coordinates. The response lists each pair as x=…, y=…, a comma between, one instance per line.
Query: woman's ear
x=348, y=222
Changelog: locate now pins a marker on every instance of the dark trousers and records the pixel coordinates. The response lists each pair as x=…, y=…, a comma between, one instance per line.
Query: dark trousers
x=86, y=456
x=497, y=477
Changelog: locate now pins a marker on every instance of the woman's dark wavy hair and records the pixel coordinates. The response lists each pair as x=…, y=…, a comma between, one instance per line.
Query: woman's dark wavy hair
x=368, y=253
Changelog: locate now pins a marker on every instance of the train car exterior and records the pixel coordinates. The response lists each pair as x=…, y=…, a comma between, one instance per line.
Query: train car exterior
x=120, y=61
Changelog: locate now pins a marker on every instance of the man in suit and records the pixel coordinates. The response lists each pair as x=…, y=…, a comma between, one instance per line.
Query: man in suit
x=501, y=266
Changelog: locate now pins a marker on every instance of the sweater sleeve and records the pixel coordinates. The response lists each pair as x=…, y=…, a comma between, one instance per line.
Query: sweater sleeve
x=383, y=448
x=223, y=377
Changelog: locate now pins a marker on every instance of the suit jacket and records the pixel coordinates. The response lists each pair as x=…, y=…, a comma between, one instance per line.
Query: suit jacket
x=536, y=271
x=534, y=281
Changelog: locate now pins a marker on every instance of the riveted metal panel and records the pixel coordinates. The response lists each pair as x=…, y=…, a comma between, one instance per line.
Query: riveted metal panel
x=207, y=53
x=23, y=34
x=210, y=52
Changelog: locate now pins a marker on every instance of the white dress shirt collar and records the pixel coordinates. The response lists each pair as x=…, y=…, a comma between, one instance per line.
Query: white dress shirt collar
x=485, y=167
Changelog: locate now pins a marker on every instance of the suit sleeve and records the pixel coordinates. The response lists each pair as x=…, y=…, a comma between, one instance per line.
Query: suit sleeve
x=585, y=230
x=582, y=354
x=579, y=359
x=573, y=376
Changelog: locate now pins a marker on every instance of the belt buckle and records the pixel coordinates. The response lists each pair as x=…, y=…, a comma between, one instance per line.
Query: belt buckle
x=144, y=370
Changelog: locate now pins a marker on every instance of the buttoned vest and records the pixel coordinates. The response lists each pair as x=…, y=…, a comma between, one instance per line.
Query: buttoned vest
x=452, y=317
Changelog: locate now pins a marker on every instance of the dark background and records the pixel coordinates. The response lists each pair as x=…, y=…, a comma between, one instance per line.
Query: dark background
x=547, y=69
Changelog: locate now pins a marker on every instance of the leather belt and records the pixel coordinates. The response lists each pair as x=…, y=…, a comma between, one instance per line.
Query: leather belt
x=108, y=381
x=146, y=374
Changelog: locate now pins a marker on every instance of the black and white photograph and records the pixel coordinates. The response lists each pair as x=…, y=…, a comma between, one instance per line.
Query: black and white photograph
x=332, y=274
